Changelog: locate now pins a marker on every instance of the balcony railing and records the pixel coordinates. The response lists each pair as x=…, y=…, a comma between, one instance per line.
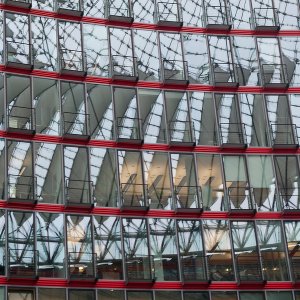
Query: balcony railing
x=223, y=75
x=124, y=68
x=22, y=263
x=217, y=17
x=21, y=119
x=119, y=11
x=274, y=75
x=128, y=130
x=72, y=62
x=181, y=133
x=21, y=189
x=139, y=268
x=284, y=135
x=19, y=3
x=240, y=199
x=75, y=125
x=79, y=193
x=70, y=7
x=194, y=268
x=233, y=135
x=81, y=266
x=249, y=268
x=159, y=197
x=266, y=19
x=187, y=198
x=19, y=55
x=133, y=196
x=290, y=199
x=168, y=14
x=175, y=72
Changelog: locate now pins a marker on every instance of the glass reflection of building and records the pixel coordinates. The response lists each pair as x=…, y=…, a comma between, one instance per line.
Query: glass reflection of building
x=149, y=149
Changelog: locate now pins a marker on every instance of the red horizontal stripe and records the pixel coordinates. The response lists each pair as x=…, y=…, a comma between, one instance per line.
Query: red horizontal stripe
x=166, y=285
x=152, y=213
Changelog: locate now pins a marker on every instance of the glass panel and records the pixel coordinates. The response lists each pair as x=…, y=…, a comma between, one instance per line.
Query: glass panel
x=2, y=170
x=192, y=12
x=223, y=295
x=121, y=52
x=3, y=243
x=245, y=56
x=230, y=128
x=281, y=128
x=292, y=231
x=138, y=263
x=157, y=178
x=51, y=293
x=195, y=295
x=196, y=54
x=178, y=118
x=164, y=249
x=253, y=116
x=291, y=54
x=143, y=11
x=50, y=244
x=203, y=118
x=20, y=294
x=288, y=181
x=21, y=182
x=75, y=118
x=69, y=40
x=48, y=171
x=262, y=181
x=126, y=111
x=272, y=247
x=103, y=176
x=18, y=47
x=246, y=251
x=240, y=12
x=94, y=8
x=221, y=61
x=288, y=14
x=20, y=115
x=237, y=186
x=171, y=55
x=252, y=295
x=162, y=295
x=152, y=115
x=107, y=239
x=146, y=50
x=131, y=179
x=43, y=4
x=278, y=295
x=218, y=249
x=44, y=43
x=21, y=259
x=110, y=294
x=211, y=182
x=100, y=109
x=139, y=295
x=81, y=295
x=295, y=113
x=186, y=191
x=47, y=113
x=192, y=256
x=96, y=49
x=78, y=188
x=79, y=247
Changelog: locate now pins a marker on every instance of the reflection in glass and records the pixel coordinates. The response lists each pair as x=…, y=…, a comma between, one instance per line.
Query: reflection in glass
x=107, y=243
x=164, y=249
x=50, y=244
x=218, y=249
x=211, y=182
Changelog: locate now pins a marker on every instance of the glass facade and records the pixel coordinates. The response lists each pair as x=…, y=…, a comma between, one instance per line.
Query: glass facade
x=149, y=150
